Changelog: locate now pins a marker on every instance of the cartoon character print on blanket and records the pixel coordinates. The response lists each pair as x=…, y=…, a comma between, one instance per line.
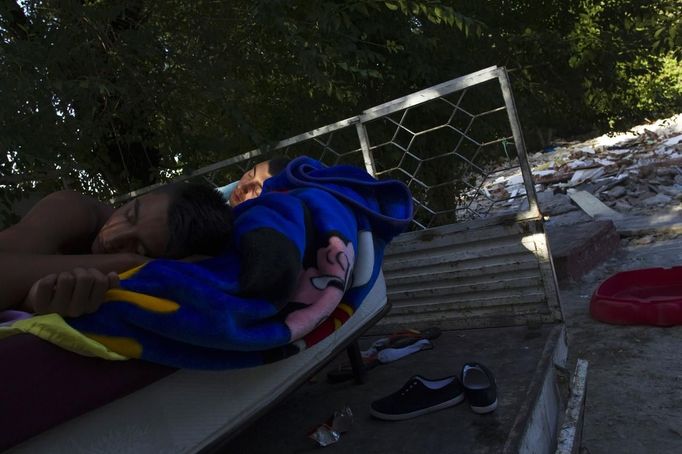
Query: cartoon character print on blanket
x=320, y=288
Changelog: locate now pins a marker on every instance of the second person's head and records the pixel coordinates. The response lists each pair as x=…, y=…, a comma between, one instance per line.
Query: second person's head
x=250, y=184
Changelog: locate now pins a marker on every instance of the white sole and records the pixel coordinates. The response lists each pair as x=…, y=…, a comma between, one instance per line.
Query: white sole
x=486, y=409
x=414, y=414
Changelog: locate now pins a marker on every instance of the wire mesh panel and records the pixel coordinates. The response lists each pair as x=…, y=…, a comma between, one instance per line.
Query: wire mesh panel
x=449, y=151
x=455, y=145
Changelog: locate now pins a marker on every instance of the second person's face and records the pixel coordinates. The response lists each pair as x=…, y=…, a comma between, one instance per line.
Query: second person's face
x=250, y=184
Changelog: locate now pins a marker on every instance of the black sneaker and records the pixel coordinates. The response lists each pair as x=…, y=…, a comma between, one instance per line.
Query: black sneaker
x=479, y=387
x=417, y=397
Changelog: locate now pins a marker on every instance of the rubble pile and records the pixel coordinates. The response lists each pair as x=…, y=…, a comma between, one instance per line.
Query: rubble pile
x=635, y=173
x=636, y=176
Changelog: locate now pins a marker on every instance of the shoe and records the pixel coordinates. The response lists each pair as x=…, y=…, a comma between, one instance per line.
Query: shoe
x=479, y=387
x=381, y=352
x=388, y=355
x=417, y=397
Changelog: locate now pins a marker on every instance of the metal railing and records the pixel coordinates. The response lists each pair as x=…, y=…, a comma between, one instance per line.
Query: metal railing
x=457, y=145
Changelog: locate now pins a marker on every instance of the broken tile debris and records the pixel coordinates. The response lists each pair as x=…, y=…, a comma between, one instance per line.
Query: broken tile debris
x=638, y=173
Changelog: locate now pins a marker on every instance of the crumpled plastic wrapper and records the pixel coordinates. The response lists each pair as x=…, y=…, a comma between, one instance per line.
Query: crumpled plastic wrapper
x=330, y=432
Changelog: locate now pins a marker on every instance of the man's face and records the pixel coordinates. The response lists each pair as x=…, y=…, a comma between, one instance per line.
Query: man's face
x=140, y=226
x=251, y=184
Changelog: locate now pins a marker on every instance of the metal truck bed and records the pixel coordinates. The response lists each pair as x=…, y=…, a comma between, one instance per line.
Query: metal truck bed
x=476, y=263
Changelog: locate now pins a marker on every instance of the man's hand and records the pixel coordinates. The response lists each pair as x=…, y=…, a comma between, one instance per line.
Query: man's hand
x=71, y=293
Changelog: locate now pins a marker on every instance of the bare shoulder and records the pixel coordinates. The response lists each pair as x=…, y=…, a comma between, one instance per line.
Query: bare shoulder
x=70, y=203
x=58, y=220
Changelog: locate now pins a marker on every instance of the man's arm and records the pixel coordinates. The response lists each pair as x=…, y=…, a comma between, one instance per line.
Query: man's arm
x=63, y=222
x=18, y=272
x=34, y=248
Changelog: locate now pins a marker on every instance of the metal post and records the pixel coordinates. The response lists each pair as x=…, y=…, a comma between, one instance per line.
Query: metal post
x=570, y=434
x=358, y=366
x=518, y=140
x=366, y=151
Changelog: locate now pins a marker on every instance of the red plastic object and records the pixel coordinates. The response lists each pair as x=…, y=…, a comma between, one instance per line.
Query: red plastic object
x=651, y=296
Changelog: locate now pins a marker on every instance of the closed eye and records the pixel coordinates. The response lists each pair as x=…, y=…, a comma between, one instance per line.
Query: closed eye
x=133, y=213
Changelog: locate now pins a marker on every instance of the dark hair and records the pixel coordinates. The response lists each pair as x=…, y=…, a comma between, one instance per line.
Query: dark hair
x=199, y=220
x=277, y=164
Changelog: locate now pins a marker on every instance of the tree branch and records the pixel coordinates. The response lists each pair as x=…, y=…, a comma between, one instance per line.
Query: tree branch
x=16, y=20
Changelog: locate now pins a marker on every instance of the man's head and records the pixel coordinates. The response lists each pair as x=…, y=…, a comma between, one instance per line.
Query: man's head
x=176, y=220
x=250, y=184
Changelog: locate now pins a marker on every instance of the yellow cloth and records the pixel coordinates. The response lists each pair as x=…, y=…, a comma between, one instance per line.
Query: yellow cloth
x=54, y=329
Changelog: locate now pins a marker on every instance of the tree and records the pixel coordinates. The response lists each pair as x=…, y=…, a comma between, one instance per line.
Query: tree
x=106, y=96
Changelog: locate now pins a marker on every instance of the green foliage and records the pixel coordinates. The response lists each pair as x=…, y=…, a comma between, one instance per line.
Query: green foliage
x=629, y=54
x=652, y=89
x=105, y=96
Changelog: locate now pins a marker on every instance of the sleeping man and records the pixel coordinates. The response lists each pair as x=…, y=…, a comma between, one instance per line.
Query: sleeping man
x=68, y=250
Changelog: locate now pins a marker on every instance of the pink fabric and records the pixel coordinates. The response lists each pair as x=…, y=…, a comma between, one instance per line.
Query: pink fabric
x=42, y=385
x=321, y=288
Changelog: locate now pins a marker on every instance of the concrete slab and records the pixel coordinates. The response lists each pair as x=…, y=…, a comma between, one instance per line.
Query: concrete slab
x=593, y=206
x=578, y=243
x=578, y=248
x=668, y=222
x=512, y=353
x=568, y=218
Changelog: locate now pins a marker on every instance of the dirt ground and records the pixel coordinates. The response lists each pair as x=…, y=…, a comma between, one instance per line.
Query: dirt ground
x=634, y=398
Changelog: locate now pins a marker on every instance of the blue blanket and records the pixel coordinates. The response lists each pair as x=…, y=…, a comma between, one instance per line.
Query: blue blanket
x=304, y=256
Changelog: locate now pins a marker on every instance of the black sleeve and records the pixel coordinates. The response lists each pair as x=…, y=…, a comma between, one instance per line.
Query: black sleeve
x=270, y=265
